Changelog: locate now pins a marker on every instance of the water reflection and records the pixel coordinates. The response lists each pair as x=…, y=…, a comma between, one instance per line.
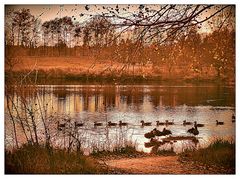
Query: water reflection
x=97, y=98
x=133, y=103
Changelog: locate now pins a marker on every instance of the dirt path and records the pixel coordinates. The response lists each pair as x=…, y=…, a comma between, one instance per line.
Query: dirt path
x=156, y=165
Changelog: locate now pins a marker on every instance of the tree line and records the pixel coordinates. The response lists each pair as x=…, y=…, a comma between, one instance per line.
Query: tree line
x=102, y=38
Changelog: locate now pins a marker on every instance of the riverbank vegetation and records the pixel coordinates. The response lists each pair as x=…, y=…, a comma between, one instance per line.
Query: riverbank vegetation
x=37, y=159
x=33, y=159
x=220, y=153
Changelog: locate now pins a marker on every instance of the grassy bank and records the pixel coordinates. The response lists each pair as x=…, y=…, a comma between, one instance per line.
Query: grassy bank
x=219, y=153
x=35, y=159
x=89, y=69
x=129, y=151
x=60, y=77
x=32, y=159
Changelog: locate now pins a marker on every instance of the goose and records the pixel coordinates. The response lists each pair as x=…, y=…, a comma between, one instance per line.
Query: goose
x=146, y=123
x=122, y=123
x=193, y=130
x=166, y=132
x=149, y=135
x=78, y=124
x=154, y=142
x=157, y=132
x=169, y=123
x=60, y=126
x=160, y=123
x=219, y=123
x=195, y=141
x=187, y=123
x=97, y=124
x=198, y=125
x=233, y=118
x=111, y=123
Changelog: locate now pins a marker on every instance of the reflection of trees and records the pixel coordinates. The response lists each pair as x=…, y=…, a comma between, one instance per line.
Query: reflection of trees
x=109, y=98
x=61, y=93
x=132, y=96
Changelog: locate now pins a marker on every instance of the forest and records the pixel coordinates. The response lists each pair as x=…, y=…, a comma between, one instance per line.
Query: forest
x=129, y=45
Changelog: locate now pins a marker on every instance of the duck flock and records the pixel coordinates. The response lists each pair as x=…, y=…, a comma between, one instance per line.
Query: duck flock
x=156, y=137
x=151, y=134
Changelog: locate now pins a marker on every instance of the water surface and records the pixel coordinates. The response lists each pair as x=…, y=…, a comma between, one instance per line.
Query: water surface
x=131, y=103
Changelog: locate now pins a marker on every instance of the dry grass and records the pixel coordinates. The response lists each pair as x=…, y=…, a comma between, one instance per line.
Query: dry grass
x=220, y=153
x=73, y=65
x=79, y=68
x=33, y=159
x=120, y=151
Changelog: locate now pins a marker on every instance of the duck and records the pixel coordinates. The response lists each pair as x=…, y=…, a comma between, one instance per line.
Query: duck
x=197, y=124
x=193, y=130
x=97, y=124
x=160, y=123
x=122, y=123
x=219, y=123
x=168, y=123
x=166, y=132
x=233, y=118
x=146, y=123
x=112, y=123
x=187, y=123
x=78, y=124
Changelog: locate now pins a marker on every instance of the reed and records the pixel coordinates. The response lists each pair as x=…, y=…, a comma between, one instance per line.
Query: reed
x=219, y=153
x=37, y=159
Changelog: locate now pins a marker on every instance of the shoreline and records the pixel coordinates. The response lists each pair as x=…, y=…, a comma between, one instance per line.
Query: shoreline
x=126, y=162
x=71, y=78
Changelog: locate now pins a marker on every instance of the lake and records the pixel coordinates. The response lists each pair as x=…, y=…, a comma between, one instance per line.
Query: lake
x=129, y=103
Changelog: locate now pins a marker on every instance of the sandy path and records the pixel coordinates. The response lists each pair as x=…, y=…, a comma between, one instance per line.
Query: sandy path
x=155, y=165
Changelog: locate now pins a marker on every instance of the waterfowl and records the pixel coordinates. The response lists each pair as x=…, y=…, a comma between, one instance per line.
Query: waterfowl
x=166, y=132
x=78, y=124
x=60, y=126
x=146, y=123
x=233, y=118
x=219, y=123
x=195, y=141
x=97, y=124
x=154, y=142
x=169, y=123
x=157, y=132
x=187, y=123
x=122, y=123
x=160, y=123
x=149, y=135
x=111, y=123
x=198, y=125
x=193, y=130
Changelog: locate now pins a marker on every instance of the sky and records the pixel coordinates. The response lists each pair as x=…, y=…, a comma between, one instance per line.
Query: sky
x=53, y=11
x=49, y=12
